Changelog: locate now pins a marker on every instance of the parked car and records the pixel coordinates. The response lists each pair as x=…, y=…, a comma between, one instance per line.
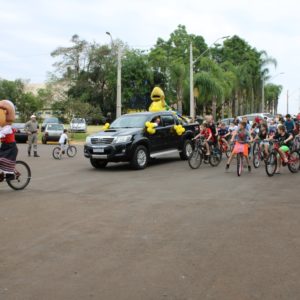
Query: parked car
x=20, y=135
x=78, y=125
x=227, y=121
x=251, y=117
x=52, y=120
x=52, y=132
x=128, y=140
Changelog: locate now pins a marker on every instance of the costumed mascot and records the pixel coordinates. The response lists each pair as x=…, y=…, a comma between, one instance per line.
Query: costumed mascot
x=158, y=100
x=8, y=149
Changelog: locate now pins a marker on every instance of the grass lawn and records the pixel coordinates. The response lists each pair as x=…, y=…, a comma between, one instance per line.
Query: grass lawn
x=80, y=136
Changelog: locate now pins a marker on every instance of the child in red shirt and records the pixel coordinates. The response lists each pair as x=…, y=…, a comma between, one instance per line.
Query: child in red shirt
x=207, y=134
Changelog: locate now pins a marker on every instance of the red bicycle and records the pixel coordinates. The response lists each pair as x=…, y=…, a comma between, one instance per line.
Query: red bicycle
x=293, y=162
x=225, y=148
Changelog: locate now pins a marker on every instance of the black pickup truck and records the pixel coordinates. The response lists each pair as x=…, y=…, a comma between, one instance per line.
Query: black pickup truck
x=128, y=140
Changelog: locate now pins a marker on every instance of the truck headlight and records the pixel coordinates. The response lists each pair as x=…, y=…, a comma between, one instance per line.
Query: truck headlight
x=88, y=140
x=122, y=139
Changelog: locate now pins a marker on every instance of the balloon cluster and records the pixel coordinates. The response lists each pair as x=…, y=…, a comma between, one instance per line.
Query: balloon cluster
x=106, y=126
x=150, y=127
x=179, y=129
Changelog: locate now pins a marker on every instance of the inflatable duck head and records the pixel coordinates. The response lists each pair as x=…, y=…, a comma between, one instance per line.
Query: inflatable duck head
x=7, y=112
x=158, y=100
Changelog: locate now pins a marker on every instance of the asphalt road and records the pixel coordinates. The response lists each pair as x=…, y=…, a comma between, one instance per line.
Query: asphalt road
x=167, y=232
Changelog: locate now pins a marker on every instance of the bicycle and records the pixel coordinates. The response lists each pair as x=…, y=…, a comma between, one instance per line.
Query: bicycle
x=199, y=153
x=71, y=151
x=21, y=177
x=225, y=148
x=293, y=162
x=240, y=157
x=259, y=154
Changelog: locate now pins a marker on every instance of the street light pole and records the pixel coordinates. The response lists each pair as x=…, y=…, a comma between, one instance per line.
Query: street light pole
x=287, y=101
x=263, y=96
x=119, y=83
x=192, y=105
x=119, y=104
x=192, y=62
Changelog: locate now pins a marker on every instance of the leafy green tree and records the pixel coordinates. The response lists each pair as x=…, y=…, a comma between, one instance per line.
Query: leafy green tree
x=26, y=103
x=272, y=93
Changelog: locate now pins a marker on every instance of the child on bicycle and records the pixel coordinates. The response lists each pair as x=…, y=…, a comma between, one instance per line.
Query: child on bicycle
x=262, y=137
x=63, y=141
x=207, y=134
x=223, y=133
x=284, y=138
x=242, y=138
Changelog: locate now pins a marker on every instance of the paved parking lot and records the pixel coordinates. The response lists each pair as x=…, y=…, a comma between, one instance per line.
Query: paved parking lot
x=167, y=232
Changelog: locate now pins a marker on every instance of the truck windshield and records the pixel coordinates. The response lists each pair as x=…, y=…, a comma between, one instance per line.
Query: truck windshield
x=127, y=121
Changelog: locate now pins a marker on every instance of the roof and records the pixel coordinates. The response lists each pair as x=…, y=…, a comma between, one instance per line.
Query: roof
x=149, y=113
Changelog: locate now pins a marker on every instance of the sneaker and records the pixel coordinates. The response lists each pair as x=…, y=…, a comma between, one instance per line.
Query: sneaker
x=249, y=168
x=227, y=167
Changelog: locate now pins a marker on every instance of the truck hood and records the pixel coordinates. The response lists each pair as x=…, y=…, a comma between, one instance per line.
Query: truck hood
x=112, y=132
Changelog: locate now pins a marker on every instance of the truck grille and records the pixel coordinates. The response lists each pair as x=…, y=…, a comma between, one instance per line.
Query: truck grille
x=102, y=140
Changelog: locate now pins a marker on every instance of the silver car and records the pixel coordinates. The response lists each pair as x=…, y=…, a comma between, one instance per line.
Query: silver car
x=78, y=125
x=52, y=132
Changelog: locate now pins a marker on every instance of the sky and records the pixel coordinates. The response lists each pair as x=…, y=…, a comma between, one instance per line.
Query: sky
x=30, y=30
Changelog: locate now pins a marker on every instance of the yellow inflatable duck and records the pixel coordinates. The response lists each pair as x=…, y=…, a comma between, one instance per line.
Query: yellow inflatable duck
x=158, y=100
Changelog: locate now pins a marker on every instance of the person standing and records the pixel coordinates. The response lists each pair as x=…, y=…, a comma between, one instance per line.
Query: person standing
x=32, y=127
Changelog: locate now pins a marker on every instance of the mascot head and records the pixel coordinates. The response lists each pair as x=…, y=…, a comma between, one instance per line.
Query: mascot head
x=7, y=112
x=157, y=94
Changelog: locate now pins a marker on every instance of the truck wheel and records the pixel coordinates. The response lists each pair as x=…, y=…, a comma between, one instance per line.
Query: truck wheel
x=187, y=150
x=140, y=158
x=98, y=164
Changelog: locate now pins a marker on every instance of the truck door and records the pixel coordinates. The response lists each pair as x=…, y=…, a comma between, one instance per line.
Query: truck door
x=171, y=137
x=157, y=140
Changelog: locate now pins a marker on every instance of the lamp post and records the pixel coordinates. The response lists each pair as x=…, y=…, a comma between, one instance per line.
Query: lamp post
x=119, y=85
x=192, y=62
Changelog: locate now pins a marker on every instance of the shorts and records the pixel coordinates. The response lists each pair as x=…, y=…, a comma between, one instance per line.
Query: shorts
x=63, y=147
x=241, y=148
x=264, y=143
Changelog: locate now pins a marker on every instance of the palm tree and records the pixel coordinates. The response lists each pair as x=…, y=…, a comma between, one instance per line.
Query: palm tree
x=210, y=90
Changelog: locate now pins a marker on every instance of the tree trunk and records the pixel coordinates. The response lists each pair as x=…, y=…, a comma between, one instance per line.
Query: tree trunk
x=230, y=108
x=204, y=109
x=179, y=99
x=252, y=101
x=222, y=108
x=214, y=107
x=236, y=105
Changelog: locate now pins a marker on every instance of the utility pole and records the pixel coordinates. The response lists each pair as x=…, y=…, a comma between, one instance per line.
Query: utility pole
x=287, y=101
x=192, y=105
x=119, y=68
x=119, y=84
x=263, y=96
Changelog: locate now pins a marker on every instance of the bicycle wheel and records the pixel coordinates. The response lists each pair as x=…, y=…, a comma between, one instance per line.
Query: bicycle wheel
x=215, y=157
x=294, y=163
x=271, y=163
x=195, y=159
x=227, y=151
x=239, y=164
x=256, y=159
x=255, y=147
x=71, y=151
x=56, y=153
x=21, y=178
